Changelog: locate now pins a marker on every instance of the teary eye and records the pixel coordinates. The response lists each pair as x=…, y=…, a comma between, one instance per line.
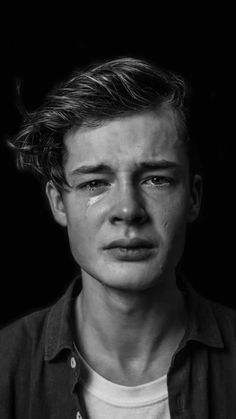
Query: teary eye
x=93, y=185
x=158, y=181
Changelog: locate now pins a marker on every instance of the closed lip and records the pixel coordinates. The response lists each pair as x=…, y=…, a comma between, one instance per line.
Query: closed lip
x=130, y=244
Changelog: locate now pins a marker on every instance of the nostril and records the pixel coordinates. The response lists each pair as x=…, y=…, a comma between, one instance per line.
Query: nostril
x=127, y=206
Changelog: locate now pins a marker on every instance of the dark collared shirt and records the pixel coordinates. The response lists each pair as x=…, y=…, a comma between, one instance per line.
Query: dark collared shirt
x=39, y=367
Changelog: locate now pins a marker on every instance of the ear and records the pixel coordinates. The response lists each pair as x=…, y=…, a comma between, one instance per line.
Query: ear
x=56, y=204
x=195, y=198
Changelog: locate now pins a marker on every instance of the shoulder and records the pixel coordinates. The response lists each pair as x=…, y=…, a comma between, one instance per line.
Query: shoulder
x=226, y=316
x=22, y=337
x=22, y=346
x=210, y=322
x=226, y=320
x=28, y=337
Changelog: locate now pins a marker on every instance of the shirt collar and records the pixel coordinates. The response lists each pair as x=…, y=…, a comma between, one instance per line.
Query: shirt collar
x=202, y=324
x=59, y=331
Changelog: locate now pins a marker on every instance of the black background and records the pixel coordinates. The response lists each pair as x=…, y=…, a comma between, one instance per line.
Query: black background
x=36, y=264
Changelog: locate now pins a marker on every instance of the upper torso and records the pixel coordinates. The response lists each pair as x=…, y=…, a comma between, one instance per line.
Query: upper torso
x=40, y=368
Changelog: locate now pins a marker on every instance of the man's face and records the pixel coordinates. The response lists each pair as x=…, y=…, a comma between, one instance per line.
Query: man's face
x=130, y=200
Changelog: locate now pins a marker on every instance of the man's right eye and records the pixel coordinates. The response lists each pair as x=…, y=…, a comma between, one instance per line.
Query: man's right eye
x=93, y=185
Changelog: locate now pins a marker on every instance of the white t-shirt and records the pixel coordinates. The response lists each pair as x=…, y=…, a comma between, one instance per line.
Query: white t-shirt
x=104, y=399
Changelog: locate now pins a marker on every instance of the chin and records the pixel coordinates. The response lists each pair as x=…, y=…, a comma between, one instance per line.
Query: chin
x=129, y=277
x=125, y=275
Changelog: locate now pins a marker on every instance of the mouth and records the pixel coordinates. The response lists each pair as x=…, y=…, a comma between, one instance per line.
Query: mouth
x=131, y=249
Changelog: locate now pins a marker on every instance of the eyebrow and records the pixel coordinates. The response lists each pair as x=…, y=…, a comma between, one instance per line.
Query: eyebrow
x=99, y=168
x=161, y=164
x=141, y=166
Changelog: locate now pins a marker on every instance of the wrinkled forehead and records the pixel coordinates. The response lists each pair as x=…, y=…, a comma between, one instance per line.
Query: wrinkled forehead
x=126, y=141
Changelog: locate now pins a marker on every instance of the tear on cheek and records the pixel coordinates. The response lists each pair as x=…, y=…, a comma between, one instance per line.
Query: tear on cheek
x=93, y=200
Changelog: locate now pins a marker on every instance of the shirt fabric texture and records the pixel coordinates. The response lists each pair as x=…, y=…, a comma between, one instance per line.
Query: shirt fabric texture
x=40, y=368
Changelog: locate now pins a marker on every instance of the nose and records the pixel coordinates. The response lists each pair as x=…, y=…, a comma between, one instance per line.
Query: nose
x=127, y=207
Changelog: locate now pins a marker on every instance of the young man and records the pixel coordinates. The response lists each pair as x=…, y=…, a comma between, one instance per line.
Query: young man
x=136, y=341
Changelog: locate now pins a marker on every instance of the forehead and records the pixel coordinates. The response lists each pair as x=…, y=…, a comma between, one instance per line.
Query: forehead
x=125, y=141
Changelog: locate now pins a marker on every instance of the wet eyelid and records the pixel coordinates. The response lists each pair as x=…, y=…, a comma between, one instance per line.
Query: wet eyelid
x=158, y=181
x=158, y=176
x=93, y=184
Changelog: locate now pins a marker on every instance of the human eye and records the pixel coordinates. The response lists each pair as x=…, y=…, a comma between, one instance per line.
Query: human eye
x=158, y=181
x=93, y=185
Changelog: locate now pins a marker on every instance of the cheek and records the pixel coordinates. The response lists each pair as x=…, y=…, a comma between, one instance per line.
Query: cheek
x=91, y=202
x=82, y=225
x=76, y=223
x=172, y=218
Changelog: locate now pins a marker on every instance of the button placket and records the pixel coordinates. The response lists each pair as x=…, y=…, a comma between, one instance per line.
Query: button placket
x=74, y=365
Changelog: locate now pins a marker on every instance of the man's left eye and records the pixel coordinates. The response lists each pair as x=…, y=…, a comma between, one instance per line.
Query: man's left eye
x=160, y=181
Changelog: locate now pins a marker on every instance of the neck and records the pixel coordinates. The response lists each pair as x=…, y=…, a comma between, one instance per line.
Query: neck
x=129, y=326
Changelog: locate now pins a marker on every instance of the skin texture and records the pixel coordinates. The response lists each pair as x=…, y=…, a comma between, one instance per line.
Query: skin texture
x=124, y=298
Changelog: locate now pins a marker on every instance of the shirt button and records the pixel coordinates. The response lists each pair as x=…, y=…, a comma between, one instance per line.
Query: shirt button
x=78, y=415
x=179, y=403
x=73, y=363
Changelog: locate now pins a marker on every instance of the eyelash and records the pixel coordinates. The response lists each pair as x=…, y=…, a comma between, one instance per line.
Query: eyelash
x=99, y=183
x=89, y=187
x=162, y=181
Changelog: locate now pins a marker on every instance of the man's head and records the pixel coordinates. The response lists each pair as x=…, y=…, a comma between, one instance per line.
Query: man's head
x=91, y=96
x=113, y=145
